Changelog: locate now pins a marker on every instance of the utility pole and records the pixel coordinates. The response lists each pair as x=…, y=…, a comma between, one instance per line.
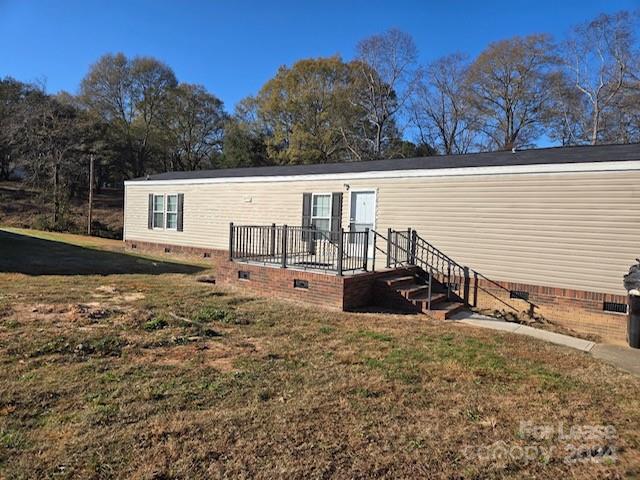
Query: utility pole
x=90, y=194
x=56, y=207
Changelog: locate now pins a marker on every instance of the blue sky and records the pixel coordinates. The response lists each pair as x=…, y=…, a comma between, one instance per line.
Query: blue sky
x=233, y=47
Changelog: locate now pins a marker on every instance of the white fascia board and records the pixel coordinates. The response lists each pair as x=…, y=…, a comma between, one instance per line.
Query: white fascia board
x=616, y=166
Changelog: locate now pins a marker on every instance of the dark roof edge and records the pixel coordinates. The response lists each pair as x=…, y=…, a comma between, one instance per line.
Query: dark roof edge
x=545, y=155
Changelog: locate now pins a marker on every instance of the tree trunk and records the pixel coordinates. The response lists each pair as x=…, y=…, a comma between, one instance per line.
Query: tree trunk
x=377, y=147
x=4, y=167
x=91, y=181
x=595, y=126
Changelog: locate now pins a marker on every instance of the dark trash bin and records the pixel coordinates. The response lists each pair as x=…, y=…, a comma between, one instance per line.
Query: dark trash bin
x=633, y=322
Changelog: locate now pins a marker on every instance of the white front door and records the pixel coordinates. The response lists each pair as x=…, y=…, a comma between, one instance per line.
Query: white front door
x=363, y=213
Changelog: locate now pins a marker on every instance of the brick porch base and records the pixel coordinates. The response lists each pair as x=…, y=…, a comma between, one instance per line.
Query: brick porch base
x=578, y=310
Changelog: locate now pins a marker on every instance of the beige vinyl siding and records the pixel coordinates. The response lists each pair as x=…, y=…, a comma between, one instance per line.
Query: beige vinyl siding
x=568, y=230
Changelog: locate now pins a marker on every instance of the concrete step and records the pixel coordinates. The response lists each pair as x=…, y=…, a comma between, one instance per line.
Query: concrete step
x=422, y=300
x=397, y=282
x=413, y=290
x=444, y=310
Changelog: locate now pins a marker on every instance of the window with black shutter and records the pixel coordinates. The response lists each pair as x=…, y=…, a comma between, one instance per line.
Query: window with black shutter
x=323, y=213
x=336, y=215
x=180, y=226
x=150, y=213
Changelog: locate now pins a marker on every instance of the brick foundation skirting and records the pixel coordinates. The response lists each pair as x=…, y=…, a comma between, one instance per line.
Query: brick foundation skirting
x=323, y=289
x=183, y=251
x=578, y=310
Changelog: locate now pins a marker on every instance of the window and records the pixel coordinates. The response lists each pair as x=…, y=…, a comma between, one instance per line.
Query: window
x=158, y=211
x=321, y=212
x=172, y=212
x=166, y=212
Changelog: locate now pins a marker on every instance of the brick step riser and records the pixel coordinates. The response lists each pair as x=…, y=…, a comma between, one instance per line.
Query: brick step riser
x=444, y=314
x=394, y=300
x=403, y=294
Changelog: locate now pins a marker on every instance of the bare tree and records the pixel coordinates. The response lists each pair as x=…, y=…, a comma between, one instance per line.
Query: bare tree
x=622, y=123
x=192, y=126
x=508, y=89
x=440, y=109
x=564, y=117
x=13, y=96
x=388, y=73
x=54, y=137
x=128, y=94
x=598, y=55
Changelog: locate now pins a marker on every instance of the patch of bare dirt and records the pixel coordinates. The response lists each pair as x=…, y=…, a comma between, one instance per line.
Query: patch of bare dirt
x=111, y=294
x=108, y=303
x=217, y=354
x=83, y=316
x=107, y=289
x=40, y=313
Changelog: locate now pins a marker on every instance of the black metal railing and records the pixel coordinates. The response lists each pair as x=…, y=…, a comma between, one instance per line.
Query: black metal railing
x=406, y=247
x=343, y=251
x=454, y=276
x=286, y=246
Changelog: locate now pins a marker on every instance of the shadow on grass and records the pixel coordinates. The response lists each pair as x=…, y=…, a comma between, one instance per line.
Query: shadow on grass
x=36, y=256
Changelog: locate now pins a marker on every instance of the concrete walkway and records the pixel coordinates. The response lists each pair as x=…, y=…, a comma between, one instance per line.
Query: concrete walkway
x=483, y=321
x=623, y=357
x=626, y=358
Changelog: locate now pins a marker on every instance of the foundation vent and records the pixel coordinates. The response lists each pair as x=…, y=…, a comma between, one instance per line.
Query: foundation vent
x=520, y=294
x=614, y=307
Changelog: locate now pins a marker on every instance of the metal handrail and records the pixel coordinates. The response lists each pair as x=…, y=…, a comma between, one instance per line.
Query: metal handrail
x=419, y=241
x=407, y=247
x=388, y=252
x=395, y=261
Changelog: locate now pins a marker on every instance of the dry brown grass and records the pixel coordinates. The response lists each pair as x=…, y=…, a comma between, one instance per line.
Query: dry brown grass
x=102, y=379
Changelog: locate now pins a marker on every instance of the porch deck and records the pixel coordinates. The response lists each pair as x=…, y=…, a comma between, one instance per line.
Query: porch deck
x=300, y=248
x=300, y=262
x=437, y=279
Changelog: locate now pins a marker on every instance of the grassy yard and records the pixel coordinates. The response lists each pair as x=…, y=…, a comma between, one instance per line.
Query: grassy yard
x=145, y=373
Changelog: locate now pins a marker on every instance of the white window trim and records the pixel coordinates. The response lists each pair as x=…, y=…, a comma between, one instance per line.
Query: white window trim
x=164, y=208
x=315, y=217
x=166, y=211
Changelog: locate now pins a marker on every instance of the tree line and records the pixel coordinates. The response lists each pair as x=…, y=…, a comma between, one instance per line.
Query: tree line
x=136, y=118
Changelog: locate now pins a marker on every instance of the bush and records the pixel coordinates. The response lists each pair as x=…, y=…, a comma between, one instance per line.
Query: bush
x=213, y=314
x=156, y=323
x=99, y=229
x=108, y=346
x=45, y=222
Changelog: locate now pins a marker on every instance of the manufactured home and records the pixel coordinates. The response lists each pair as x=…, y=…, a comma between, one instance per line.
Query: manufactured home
x=547, y=230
